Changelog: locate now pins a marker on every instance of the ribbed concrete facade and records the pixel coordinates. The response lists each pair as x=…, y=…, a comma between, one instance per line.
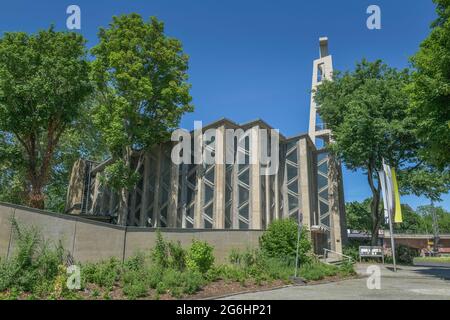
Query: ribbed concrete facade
x=225, y=195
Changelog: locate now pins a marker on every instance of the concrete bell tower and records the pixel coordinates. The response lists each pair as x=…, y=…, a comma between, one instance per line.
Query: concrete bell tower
x=330, y=191
x=322, y=69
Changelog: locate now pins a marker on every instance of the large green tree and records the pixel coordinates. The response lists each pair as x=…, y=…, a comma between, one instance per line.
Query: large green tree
x=443, y=218
x=414, y=221
x=81, y=140
x=358, y=215
x=367, y=111
x=430, y=89
x=44, y=78
x=141, y=77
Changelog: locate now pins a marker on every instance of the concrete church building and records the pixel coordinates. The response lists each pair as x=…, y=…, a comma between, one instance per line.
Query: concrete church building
x=307, y=184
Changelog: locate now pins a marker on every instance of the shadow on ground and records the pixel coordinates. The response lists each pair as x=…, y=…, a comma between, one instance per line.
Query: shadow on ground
x=438, y=272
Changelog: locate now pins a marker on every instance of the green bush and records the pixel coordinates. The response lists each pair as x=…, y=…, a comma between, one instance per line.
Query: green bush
x=347, y=269
x=200, y=257
x=351, y=250
x=135, y=283
x=160, y=253
x=104, y=274
x=136, y=262
x=177, y=283
x=257, y=266
x=168, y=254
x=280, y=241
x=317, y=271
x=405, y=254
x=34, y=265
x=154, y=276
x=177, y=256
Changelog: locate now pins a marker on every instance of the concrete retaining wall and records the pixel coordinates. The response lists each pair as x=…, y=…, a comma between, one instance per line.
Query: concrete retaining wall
x=90, y=241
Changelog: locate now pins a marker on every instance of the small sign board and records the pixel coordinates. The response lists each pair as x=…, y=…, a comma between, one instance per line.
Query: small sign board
x=371, y=252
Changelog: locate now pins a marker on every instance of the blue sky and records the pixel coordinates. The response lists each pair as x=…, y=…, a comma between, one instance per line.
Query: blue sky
x=253, y=59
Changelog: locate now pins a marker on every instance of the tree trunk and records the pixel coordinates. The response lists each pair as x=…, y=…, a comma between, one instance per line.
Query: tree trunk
x=123, y=202
x=38, y=173
x=36, y=198
x=123, y=207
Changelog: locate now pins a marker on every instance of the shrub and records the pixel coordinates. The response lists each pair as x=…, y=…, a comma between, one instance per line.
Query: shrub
x=191, y=282
x=177, y=283
x=160, y=251
x=347, y=268
x=256, y=265
x=317, y=271
x=154, y=276
x=135, y=290
x=245, y=259
x=168, y=254
x=104, y=274
x=351, y=251
x=405, y=254
x=34, y=265
x=136, y=262
x=280, y=241
x=177, y=256
x=200, y=257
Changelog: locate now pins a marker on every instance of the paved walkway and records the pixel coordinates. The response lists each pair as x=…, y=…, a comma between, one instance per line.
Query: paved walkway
x=408, y=283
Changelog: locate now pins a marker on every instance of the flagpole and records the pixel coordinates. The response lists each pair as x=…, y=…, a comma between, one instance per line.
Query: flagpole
x=389, y=207
x=391, y=231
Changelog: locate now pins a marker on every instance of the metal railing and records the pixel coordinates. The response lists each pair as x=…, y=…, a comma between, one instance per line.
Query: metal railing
x=326, y=251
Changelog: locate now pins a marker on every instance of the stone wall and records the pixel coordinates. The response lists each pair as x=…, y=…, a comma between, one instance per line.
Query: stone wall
x=90, y=241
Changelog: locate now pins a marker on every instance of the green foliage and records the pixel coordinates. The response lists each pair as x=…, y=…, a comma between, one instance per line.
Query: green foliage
x=351, y=250
x=119, y=175
x=177, y=283
x=256, y=265
x=280, y=241
x=317, y=271
x=358, y=215
x=443, y=218
x=144, y=91
x=35, y=266
x=413, y=222
x=177, y=256
x=80, y=140
x=39, y=271
x=136, y=283
x=429, y=90
x=160, y=251
x=367, y=110
x=168, y=254
x=44, y=80
x=104, y=274
x=199, y=257
x=433, y=259
x=405, y=254
x=136, y=262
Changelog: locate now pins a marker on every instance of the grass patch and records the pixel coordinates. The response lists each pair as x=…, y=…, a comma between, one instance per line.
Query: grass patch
x=433, y=259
